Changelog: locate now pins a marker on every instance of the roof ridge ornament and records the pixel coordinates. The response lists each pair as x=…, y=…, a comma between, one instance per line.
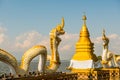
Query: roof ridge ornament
x=84, y=18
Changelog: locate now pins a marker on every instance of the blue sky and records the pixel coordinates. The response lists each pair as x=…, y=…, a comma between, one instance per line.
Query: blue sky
x=19, y=18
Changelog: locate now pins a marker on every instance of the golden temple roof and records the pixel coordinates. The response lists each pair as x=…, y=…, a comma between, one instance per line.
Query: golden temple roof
x=84, y=46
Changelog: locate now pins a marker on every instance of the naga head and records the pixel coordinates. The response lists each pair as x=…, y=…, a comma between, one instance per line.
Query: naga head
x=59, y=28
x=104, y=38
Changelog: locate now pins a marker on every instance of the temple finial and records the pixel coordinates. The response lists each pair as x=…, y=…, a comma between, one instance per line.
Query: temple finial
x=84, y=31
x=84, y=18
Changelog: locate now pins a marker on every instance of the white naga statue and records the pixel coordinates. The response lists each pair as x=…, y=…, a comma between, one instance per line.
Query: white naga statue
x=37, y=50
x=109, y=59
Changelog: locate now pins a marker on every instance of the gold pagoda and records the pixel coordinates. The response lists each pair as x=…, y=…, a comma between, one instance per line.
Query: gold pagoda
x=84, y=58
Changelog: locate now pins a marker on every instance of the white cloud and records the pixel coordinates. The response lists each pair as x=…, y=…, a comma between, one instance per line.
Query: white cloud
x=68, y=41
x=114, y=44
x=21, y=43
x=2, y=29
x=28, y=39
x=113, y=36
x=2, y=38
x=97, y=40
x=65, y=47
x=2, y=34
x=68, y=36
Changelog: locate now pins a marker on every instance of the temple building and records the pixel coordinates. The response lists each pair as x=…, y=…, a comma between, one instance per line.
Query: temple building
x=84, y=58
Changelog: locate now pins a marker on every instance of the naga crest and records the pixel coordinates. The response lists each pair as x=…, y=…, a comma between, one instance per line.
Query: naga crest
x=104, y=38
x=58, y=30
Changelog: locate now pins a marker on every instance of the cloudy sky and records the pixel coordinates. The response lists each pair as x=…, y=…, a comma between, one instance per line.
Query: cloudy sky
x=25, y=23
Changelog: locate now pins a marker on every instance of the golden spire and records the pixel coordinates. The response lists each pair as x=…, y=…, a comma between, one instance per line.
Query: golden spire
x=84, y=18
x=83, y=57
x=84, y=46
x=84, y=31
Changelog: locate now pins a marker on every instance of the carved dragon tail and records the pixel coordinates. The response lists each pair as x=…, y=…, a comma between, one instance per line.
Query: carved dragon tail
x=26, y=59
x=30, y=54
x=10, y=60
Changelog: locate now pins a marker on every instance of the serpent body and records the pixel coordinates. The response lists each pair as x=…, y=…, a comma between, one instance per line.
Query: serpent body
x=40, y=50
